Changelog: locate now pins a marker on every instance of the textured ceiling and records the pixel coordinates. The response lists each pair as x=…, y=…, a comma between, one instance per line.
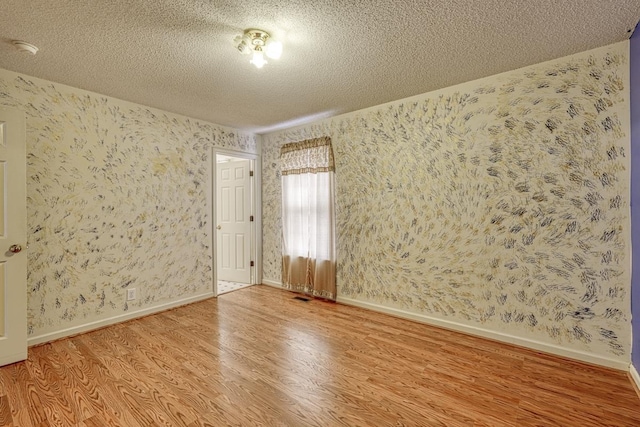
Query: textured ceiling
x=339, y=56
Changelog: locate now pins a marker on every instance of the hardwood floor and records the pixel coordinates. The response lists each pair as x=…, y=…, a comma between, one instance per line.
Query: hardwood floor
x=257, y=356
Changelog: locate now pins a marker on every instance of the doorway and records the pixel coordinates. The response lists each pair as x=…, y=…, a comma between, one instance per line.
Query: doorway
x=235, y=225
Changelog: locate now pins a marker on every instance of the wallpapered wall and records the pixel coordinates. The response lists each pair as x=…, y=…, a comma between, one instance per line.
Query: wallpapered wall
x=116, y=199
x=501, y=203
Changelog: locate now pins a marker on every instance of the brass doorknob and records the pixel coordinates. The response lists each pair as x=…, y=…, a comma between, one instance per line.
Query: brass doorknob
x=219, y=227
x=15, y=248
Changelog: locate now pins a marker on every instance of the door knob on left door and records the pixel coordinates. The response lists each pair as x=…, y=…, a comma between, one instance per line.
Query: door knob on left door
x=219, y=227
x=15, y=248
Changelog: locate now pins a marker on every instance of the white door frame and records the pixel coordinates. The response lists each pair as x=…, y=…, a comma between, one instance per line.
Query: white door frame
x=256, y=209
x=13, y=337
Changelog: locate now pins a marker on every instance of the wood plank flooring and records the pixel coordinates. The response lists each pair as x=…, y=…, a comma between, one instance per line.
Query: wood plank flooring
x=258, y=357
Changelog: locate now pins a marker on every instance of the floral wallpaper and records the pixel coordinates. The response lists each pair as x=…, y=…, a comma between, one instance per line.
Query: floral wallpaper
x=501, y=203
x=116, y=199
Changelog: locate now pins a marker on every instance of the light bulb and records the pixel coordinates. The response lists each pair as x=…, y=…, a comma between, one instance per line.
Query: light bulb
x=274, y=49
x=258, y=59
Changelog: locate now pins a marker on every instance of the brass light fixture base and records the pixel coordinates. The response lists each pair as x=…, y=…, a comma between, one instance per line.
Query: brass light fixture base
x=252, y=40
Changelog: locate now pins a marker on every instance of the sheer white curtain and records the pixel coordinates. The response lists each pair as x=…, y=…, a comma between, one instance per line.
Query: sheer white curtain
x=308, y=218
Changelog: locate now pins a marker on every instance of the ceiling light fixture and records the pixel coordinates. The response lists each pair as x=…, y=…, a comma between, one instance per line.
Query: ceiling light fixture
x=258, y=43
x=23, y=46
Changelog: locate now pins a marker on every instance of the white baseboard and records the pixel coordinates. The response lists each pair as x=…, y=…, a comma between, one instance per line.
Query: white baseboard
x=498, y=336
x=272, y=283
x=635, y=376
x=75, y=330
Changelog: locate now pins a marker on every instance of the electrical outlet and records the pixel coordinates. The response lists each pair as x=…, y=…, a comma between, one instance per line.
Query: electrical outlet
x=131, y=294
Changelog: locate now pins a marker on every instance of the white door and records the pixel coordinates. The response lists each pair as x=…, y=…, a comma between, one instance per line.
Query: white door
x=13, y=238
x=233, y=211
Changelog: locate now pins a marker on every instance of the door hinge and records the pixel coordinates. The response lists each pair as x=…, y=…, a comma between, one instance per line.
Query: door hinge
x=250, y=173
x=251, y=218
x=252, y=264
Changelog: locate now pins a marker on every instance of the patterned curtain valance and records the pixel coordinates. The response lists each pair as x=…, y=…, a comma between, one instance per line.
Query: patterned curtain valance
x=308, y=156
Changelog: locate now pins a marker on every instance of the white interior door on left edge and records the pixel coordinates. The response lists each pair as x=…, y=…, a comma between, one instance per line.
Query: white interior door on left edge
x=233, y=212
x=13, y=237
